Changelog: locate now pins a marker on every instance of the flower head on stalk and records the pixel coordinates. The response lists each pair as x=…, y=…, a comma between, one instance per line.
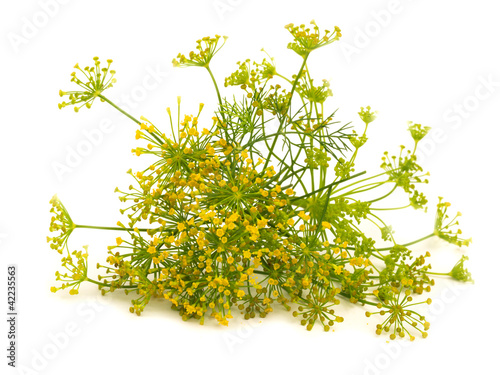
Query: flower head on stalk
x=315, y=94
x=267, y=69
x=445, y=230
x=248, y=77
x=77, y=265
x=417, y=131
x=367, y=115
x=307, y=39
x=94, y=80
x=206, y=49
x=60, y=222
x=459, y=272
x=244, y=76
x=401, y=318
x=318, y=305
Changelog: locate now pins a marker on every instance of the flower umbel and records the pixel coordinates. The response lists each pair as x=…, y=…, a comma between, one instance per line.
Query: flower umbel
x=418, y=132
x=445, y=230
x=92, y=81
x=76, y=264
x=61, y=222
x=460, y=273
x=206, y=48
x=402, y=317
x=367, y=115
x=307, y=39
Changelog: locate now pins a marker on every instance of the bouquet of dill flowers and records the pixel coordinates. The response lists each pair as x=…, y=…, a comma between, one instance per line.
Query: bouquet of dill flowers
x=235, y=216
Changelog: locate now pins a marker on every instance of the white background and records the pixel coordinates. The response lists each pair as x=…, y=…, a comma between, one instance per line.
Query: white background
x=425, y=61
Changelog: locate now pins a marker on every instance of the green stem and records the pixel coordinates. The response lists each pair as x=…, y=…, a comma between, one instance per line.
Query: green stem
x=289, y=106
x=297, y=80
x=216, y=87
x=119, y=109
x=363, y=180
x=437, y=273
x=384, y=196
x=109, y=285
x=108, y=228
x=286, y=79
x=343, y=294
x=363, y=188
x=390, y=209
x=410, y=243
x=327, y=186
